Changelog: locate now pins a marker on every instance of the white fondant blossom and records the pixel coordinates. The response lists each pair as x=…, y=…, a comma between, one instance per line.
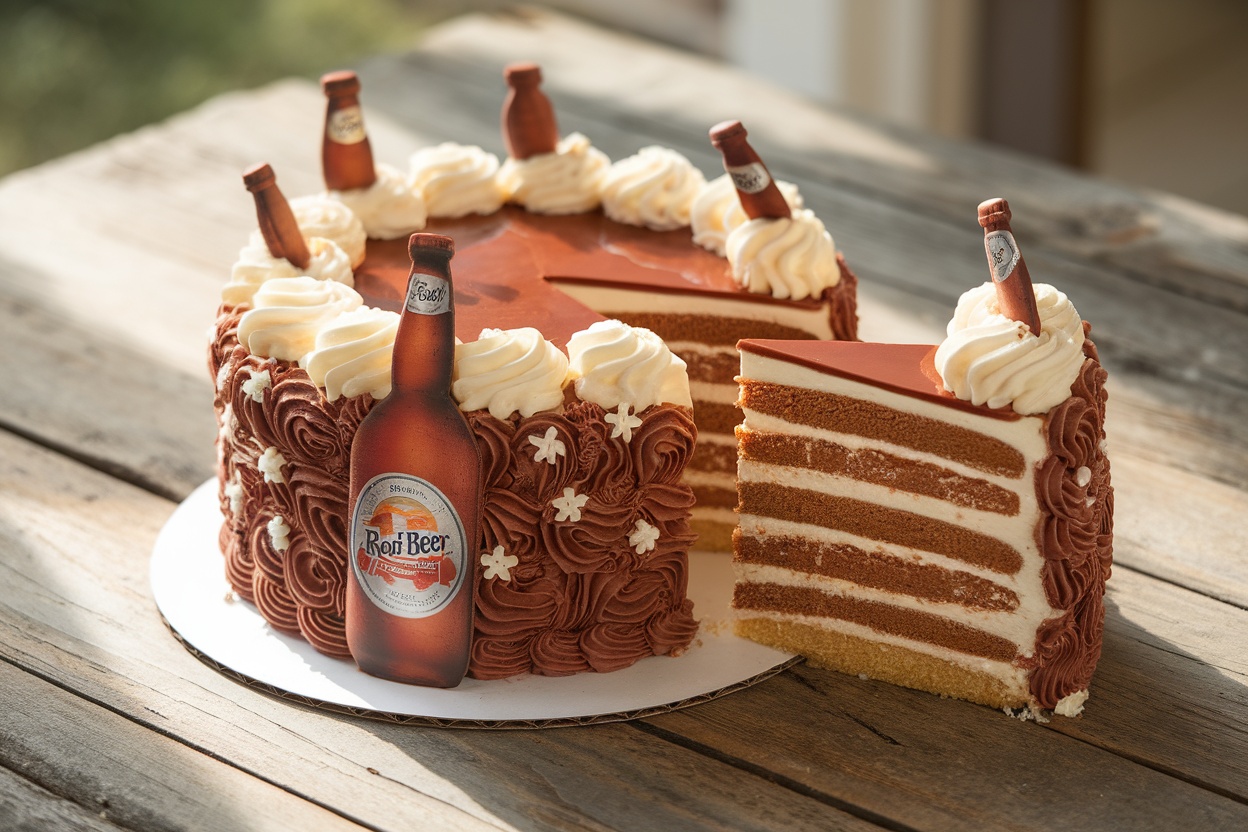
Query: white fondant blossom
x=270, y=464
x=643, y=537
x=279, y=533
x=569, y=505
x=256, y=385
x=498, y=564
x=548, y=447
x=623, y=421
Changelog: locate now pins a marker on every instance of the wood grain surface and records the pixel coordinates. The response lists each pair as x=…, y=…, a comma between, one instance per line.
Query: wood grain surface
x=111, y=263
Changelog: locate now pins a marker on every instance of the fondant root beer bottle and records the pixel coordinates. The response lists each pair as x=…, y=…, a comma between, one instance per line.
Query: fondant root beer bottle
x=760, y=196
x=415, y=498
x=346, y=154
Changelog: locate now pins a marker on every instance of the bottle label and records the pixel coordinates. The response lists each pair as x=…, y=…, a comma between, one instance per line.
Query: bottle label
x=409, y=545
x=346, y=126
x=1003, y=253
x=428, y=294
x=752, y=178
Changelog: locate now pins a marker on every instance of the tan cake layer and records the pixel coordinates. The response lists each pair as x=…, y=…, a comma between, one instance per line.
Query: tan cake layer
x=914, y=625
x=713, y=368
x=717, y=418
x=842, y=414
x=874, y=466
x=886, y=662
x=877, y=570
x=715, y=457
x=876, y=522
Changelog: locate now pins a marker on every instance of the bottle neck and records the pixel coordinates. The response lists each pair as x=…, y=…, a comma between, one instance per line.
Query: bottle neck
x=424, y=347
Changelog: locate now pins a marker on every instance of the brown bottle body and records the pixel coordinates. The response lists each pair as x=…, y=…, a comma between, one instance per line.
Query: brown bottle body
x=529, y=127
x=1015, y=294
x=346, y=154
x=278, y=225
x=418, y=442
x=760, y=196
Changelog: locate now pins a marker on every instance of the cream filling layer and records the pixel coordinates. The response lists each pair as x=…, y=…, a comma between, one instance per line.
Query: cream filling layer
x=702, y=350
x=1008, y=625
x=1014, y=678
x=714, y=514
x=763, y=527
x=706, y=391
x=709, y=479
x=1018, y=531
x=618, y=301
x=766, y=423
x=1024, y=434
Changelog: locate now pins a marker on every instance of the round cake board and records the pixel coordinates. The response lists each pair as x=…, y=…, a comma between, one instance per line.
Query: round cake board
x=188, y=582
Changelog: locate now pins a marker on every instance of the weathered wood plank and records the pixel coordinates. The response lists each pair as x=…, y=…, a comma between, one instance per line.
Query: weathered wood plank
x=1172, y=686
x=129, y=774
x=24, y=807
x=77, y=612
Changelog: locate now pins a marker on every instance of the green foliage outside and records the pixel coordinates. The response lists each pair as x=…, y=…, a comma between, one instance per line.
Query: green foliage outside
x=78, y=71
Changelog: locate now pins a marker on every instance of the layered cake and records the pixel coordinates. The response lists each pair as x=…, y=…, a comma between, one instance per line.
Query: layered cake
x=939, y=518
x=585, y=423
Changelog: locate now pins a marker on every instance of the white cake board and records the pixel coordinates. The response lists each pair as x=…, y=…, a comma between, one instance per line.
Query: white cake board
x=188, y=581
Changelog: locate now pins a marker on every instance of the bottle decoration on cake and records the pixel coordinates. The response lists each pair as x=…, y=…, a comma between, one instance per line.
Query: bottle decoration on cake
x=529, y=126
x=759, y=194
x=385, y=199
x=1005, y=261
x=543, y=173
x=415, y=498
x=1010, y=342
x=346, y=154
x=279, y=250
x=278, y=226
x=779, y=251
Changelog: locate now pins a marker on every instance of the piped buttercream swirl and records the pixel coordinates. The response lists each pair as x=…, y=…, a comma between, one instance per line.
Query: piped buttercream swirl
x=654, y=188
x=613, y=364
x=389, y=208
x=505, y=371
x=457, y=180
x=568, y=181
x=717, y=210
x=256, y=266
x=352, y=353
x=319, y=215
x=790, y=258
x=288, y=312
x=990, y=359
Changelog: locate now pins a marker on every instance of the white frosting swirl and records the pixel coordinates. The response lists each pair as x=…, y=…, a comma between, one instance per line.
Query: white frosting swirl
x=319, y=215
x=654, y=188
x=568, y=181
x=613, y=363
x=990, y=359
x=389, y=208
x=717, y=210
x=352, y=353
x=787, y=258
x=256, y=266
x=511, y=370
x=457, y=180
x=287, y=312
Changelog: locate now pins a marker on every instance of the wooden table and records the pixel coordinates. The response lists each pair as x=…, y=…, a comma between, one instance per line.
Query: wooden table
x=111, y=261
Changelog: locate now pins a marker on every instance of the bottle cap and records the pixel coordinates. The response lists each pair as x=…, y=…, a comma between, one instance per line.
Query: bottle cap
x=258, y=177
x=422, y=242
x=341, y=82
x=522, y=74
x=726, y=130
